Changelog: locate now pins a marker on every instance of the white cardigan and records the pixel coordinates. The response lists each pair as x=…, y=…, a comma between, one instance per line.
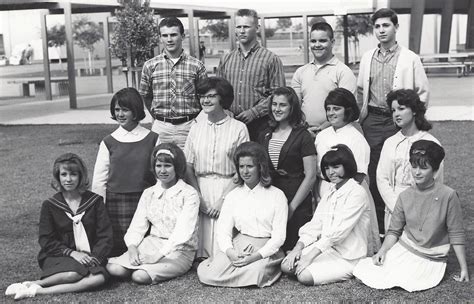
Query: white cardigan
x=409, y=74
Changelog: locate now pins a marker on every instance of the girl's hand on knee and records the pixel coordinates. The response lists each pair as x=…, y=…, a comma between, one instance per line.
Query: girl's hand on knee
x=232, y=254
x=292, y=258
x=133, y=256
x=378, y=258
x=81, y=257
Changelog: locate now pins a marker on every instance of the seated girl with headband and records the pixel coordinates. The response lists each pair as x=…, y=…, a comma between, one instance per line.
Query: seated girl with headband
x=171, y=209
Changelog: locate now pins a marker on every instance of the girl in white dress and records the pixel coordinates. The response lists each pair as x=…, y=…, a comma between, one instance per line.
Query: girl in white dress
x=171, y=209
x=336, y=238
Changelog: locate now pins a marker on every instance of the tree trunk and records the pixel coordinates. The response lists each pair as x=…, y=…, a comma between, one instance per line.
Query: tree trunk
x=90, y=61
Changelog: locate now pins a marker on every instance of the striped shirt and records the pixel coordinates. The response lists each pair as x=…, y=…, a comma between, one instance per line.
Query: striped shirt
x=254, y=77
x=382, y=70
x=172, y=86
x=274, y=149
x=210, y=146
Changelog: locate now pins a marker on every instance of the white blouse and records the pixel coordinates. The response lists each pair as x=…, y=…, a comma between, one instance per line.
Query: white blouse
x=341, y=221
x=102, y=163
x=349, y=136
x=258, y=212
x=172, y=214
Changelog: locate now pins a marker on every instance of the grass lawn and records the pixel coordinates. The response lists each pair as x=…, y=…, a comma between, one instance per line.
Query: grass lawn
x=26, y=157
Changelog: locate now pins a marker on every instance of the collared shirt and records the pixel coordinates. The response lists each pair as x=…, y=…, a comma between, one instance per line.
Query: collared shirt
x=172, y=86
x=102, y=163
x=259, y=212
x=210, y=146
x=313, y=84
x=254, y=78
x=172, y=214
x=341, y=221
x=382, y=70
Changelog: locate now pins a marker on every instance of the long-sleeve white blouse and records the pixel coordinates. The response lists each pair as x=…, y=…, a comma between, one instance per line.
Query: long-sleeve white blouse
x=341, y=221
x=172, y=214
x=258, y=212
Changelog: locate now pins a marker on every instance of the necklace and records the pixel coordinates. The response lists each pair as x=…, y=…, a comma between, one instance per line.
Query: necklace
x=424, y=210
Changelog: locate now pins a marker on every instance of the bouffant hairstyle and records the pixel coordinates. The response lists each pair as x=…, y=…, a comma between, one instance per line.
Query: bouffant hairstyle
x=343, y=98
x=73, y=163
x=296, y=117
x=128, y=98
x=170, y=22
x=260, y=158
x=323, y=26
x=424, y=152
x=223, y=88
x=385, y=13
x=339, y=155
x=409, y=98
x=162, y=153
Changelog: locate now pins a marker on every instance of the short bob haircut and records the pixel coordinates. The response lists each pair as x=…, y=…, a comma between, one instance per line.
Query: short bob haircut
x=343, y=98
x=178, y=159
x=409, y=98
x=73, y=163
x=423, y=152
x=170, y=22
x=128, y=98
x=223, y=88
x=385, y=13
x=296, y=117
x=245, y=12
x=323, y=26
x=260, y=158
x=339, y=155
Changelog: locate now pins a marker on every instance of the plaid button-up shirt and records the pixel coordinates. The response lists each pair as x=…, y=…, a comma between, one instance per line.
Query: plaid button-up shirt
x=254, y=78
x=172, y=86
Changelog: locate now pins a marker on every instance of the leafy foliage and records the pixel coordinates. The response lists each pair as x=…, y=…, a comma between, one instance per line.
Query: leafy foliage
x=86, y=33
x=284, y=23
x=219, y=28
x=357, y=25
x=136, y=30
x=57, y=35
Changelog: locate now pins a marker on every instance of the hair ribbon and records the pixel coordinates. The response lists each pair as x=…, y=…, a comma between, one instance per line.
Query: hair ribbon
x=164, y=151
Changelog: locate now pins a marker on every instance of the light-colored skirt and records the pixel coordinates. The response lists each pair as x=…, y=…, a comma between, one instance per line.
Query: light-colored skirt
x=171, y=266
x=212, y=187
x=401, y=268
x=219, y=271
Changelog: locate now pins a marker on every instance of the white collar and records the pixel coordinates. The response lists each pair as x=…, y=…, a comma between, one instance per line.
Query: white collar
x=172, y=191
x=138, y=130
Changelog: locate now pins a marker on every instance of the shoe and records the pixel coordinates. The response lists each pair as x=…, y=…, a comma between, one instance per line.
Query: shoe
x=14, y=288
x=28, y=292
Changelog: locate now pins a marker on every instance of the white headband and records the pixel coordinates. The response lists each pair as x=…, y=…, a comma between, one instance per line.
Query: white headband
x=164, y=151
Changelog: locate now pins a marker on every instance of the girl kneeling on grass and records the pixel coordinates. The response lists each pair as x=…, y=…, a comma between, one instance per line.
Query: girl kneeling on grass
x=122, y=169
x=427, y=219
x=171, y=208
x=75, y=235
x=251, y=227
x=337, y=237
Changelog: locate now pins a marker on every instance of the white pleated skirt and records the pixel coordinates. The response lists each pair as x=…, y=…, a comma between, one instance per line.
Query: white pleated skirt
x=212, y=187
x=401, y=268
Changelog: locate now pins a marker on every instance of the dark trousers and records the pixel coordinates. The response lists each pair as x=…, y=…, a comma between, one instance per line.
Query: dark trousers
x=257, y=126
x=377, y=128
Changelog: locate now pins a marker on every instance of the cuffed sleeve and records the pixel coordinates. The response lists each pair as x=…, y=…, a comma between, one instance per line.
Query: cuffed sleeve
x=101, y=170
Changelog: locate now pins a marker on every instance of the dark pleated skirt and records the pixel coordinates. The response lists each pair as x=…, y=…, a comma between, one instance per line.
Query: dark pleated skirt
x=53, y=265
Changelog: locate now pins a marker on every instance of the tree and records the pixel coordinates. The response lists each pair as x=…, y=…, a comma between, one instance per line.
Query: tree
x=86, y=34
x=284, y=23
x=356, y=25
x=56, y=39
x=219, y=29
x=136, y=32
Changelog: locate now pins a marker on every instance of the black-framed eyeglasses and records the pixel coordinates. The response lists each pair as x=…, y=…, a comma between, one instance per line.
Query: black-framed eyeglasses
x=209, y=96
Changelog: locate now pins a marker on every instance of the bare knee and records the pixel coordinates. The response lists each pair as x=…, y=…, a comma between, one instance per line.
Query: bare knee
x=94, y=280
x=141, y=277
x=306, y=278
x=286, y=270
x=117, y=270
x=71, y=277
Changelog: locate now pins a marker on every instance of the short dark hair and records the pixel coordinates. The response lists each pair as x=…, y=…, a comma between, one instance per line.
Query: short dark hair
x=410, y=98
x=128, y=98
x=170, y=22
x=260, y=158
x=344, y=98
x=73, y=163
x=296, y=117
x=245, y=12
x=424, y=152
x=323, y=26
x=385, y=13
x=339, y=155
x=178, y=159
x=223, y=88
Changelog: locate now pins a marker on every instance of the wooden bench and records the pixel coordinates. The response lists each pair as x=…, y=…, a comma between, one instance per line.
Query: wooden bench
x=59, y=85
x=459, y=66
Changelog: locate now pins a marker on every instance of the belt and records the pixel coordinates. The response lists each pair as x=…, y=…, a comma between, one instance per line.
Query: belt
x=380, y=111
x=176, y=120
